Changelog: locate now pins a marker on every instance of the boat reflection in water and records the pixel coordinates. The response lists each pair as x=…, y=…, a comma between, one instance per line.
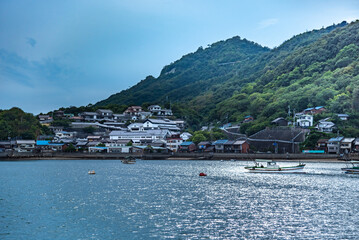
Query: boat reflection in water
x=270, y=166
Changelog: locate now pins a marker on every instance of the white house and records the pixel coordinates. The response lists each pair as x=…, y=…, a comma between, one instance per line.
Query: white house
x=135, y=127
x=334, y=144
x=64, y=134
x=173, y=143
x=325, y=126
x=25, y=145
x=119, y=146
x=138, y=136
x=156, y=110
x=305, y=120
x=347, y=145
x=185, y=136
x=160, y=124
x=343, y=117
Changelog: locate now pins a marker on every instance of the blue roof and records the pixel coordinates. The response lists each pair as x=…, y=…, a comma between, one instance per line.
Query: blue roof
x=307, y=109
x=47, y=143
x=100, y=147
x=222, y=141
x=249, y=116
x=336, y=139
x=186, y=143
x=42, y=142
x=319, y=107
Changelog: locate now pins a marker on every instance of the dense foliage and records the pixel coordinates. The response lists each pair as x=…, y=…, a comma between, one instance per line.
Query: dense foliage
x=231, y=79
x=214, y=134
x=15, y=123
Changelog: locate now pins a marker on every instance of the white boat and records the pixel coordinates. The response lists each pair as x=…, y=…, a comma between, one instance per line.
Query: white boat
x=352, y=167
x=270, y=166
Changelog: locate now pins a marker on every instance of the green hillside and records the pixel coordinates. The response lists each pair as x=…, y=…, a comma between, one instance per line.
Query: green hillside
x=234, y=78
x=16, y=123
x=194, y=73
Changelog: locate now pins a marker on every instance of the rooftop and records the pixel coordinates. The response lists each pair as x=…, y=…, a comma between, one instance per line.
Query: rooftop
x=222, y=141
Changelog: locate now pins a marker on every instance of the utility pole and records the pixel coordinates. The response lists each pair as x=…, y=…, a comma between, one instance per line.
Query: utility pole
x=288, y=110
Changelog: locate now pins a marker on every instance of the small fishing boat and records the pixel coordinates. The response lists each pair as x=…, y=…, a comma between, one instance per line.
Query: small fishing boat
x=352, y=167
x=270, y=166
x=129, y=160
x=92, y=172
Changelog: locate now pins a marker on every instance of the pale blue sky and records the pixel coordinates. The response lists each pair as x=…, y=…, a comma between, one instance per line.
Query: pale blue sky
x=62, y=53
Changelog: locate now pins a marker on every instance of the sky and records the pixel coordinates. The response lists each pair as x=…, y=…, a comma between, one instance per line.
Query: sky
x=72, y=53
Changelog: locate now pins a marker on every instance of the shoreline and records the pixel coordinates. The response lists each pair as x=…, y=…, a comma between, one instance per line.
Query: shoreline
x=313, y=160
x=15, y=156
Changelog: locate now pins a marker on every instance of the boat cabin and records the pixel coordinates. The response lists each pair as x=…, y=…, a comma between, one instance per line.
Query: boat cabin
x=266, y=163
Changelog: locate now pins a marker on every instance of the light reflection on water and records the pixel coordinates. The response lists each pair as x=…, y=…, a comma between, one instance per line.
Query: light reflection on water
x=167, y=199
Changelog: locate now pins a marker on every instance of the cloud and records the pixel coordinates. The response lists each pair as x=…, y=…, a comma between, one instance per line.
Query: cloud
x=49, y=83
x=268, y=22
x=32, y=42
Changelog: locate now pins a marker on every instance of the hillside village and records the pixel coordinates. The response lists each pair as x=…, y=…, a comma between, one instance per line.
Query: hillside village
x=156, y=130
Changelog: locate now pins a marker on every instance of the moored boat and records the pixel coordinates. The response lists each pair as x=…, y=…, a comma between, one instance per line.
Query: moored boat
x=270, y=166
x=352, y=167
x=129, y=160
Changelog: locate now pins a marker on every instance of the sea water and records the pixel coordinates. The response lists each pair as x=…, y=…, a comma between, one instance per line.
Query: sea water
x=169, y=200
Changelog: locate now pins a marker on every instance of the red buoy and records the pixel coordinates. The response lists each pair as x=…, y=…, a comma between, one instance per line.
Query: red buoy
x=202, y=174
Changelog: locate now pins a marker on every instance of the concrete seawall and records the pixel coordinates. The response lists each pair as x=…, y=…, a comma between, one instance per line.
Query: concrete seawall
x=176, y=156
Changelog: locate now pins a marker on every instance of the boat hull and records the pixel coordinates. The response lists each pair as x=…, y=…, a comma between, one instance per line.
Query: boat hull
x=351, y=170
x=293, y=169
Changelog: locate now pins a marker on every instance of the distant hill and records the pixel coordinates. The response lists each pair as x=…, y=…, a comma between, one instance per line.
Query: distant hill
x=194, y=73
x=234, y=78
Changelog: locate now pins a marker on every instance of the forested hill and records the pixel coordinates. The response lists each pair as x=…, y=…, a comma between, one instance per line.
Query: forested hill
x=236, y=77
x=194, y=73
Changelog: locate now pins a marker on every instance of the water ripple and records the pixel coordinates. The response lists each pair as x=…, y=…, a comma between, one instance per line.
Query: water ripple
x=168, y=200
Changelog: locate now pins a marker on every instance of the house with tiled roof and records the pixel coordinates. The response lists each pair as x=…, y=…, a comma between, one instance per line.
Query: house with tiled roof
x=347, y=145
x=187, y=147
x=325, y=126
x=241, y=146
x=219, y=145
x=334, y=145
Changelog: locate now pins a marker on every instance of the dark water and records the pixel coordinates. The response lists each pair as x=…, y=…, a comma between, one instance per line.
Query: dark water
x=168, y=200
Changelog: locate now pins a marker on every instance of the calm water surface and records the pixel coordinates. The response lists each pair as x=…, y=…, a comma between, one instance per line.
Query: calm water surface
x=167, y=199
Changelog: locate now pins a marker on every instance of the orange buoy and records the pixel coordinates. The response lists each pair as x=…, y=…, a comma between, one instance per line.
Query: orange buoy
x=202, y=174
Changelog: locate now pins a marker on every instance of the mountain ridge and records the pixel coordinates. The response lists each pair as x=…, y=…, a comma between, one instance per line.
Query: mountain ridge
x=236, y=77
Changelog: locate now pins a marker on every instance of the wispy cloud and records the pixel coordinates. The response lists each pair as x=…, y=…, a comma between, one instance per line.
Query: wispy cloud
x=268, y=22
x=32, y=42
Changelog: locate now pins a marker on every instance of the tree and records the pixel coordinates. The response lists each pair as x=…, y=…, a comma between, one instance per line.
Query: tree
x=89, y=129
x=198, y=137
x=355, y=103
x=70, y=148
x=16, y=123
